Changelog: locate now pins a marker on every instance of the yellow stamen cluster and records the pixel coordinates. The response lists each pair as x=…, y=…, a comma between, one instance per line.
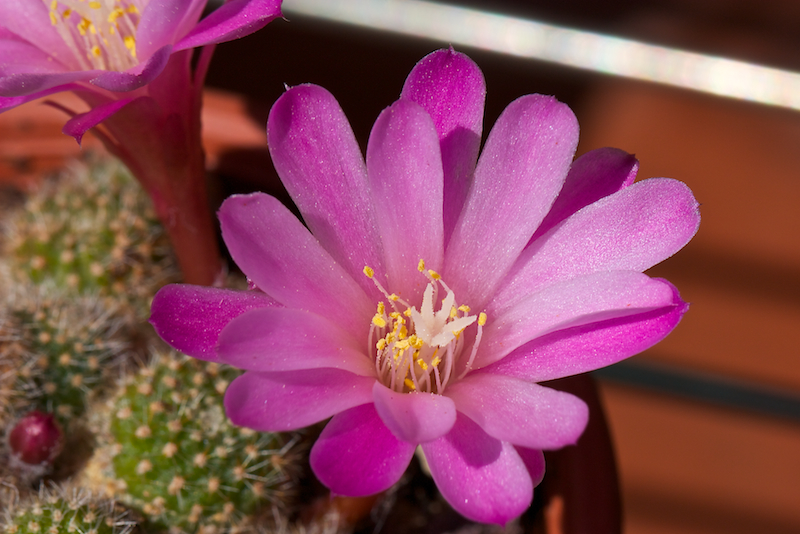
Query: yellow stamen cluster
x=101, y=34
x=420, y=350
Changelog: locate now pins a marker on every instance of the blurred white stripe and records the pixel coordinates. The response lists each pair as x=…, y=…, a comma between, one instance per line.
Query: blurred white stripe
x=574, y=48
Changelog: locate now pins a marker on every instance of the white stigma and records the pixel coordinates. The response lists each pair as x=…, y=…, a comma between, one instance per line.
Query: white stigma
x=418, y=350
x=436, y=329
x=101, y=34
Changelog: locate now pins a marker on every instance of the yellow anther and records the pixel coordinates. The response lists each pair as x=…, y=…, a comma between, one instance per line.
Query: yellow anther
x=66, y=13
x=416, y=342
x=115, y=14
x=54, y=5
x=436, y=361
x=133, y=9
x=379, y=321
x=95, y=5
x=96, y=51
x=433, y=274
x=409, y=384
x=482, y=319
x=453, y=312
x=130, y=44
x=83, y=25
x=369, y=271
x=381, y=344
x=393, y=297
x=463, y=308
x=381, y=308
x=53, y=19
x=401, y=345
x=422, y=364
x=402, y=332
x=407, y=313
x=421, y=265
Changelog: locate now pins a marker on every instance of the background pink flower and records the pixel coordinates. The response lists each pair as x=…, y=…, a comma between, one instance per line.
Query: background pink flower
x=532, y=271
x=131, y=62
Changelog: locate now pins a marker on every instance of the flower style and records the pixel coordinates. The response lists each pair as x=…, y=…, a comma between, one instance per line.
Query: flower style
x=131, y=62
x=432, y=291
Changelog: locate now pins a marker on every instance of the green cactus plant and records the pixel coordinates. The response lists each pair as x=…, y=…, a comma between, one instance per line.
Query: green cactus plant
x=56, y=510
x=174, y=455
x=57, y=351
x=93, y=230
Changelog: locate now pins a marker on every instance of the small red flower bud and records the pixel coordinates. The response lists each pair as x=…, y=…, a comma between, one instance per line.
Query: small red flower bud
x=36, y=439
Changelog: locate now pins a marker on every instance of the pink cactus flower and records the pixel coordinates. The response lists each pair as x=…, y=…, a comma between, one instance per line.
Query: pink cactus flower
x=131, y=62
x=430, y=291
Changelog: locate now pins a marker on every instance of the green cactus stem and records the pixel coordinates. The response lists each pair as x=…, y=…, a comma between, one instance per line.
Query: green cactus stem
x=93, y=230
x=176, y=457
x=61, y=511
x=56, y=351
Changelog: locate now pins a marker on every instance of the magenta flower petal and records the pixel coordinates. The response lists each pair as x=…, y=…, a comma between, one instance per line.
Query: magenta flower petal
x=594, y=175
x=7, y=103
x=588, y=347
x=404, y=166
x=583, y=300
x=534, y=462
x=521, y=413
x=34, y=83
x=190, y=318
x=142, y=75
x=232, y=20
x=414, y=417
x=283, y=339
x=482, y=478
x=519, y=174
x=78, y=125
x=285, y=261
x=18, y=56
x=633, y=229
x=357, y=455
x=275, y=402
x=31, y=21
x=450, y=86
x=316, y=155
x=159, y=23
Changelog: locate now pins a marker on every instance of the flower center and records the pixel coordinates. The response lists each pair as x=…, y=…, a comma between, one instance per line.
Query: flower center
x=417, y=350
x=100, y=33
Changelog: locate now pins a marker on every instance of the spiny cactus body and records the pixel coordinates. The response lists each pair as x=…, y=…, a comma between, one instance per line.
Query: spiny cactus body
x=178, y=459
x=60, y=511
x=92, y=231
x=59, y=349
